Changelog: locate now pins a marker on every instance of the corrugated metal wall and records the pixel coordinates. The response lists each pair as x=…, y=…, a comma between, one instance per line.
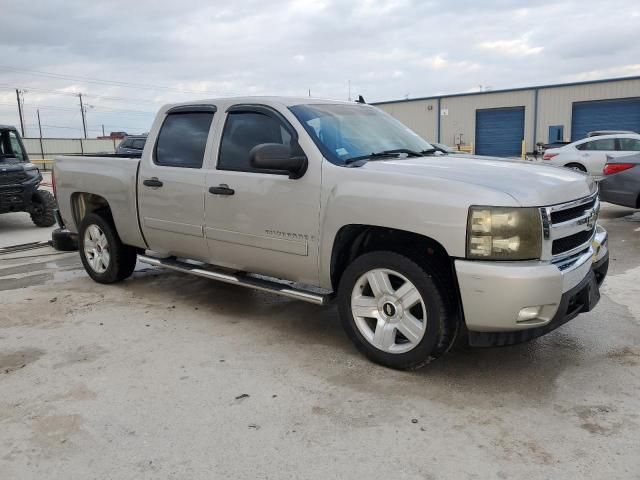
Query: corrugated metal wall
x=554, y=108
x=461, y=118
x=62, y=146
x=555, y=104
x=417, y=116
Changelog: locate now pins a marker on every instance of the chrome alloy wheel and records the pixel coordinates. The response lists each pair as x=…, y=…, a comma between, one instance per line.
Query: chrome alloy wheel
x=96, y=249
x=389, y=311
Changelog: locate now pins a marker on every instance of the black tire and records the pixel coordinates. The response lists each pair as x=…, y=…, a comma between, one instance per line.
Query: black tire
x=63, y=241
x=441, y=325
x=43, y=205
x=576, y=166
x=122, y=258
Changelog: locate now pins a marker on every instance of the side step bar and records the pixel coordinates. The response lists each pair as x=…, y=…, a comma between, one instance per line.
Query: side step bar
x=242, y=279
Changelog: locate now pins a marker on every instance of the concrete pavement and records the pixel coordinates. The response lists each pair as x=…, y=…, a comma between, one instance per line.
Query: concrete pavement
x=171, y=376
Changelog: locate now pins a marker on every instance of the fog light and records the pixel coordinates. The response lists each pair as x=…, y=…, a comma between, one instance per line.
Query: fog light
x=529, y=313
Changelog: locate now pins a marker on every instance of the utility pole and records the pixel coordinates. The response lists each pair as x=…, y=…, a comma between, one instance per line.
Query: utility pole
x=39, y=124
x=40, y=129
x=82, y=112
x=349, y=90
x=18, y=97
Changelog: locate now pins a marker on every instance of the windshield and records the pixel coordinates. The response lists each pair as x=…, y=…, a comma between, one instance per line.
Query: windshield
x=345, y=132
x=10, y=147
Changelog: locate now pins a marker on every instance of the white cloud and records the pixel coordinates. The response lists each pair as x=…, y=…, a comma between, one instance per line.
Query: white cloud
x=210, y=48
x=621, y=71
x=514, y=47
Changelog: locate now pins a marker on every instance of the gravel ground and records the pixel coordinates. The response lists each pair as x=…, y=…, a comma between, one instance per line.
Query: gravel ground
x=171, y=376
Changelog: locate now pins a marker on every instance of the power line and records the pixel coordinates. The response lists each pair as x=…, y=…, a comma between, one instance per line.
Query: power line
x=99, y=81
x=75, y=94
x=75, y=110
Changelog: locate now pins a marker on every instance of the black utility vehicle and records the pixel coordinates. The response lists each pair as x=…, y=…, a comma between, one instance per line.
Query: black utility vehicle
x=19, y=181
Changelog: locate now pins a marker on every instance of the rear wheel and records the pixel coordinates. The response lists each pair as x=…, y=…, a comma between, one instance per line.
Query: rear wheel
x=393, y=310
x=42, y=206
x=105, y=258
x=576, y=166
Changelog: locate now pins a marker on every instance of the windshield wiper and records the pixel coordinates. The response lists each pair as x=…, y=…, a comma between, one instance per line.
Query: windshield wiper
x=395, y=153
x=369, y=156
x=408, y=152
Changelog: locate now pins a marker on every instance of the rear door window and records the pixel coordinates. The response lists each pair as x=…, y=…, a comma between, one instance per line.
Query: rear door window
x=182, y=139
x=629, y=144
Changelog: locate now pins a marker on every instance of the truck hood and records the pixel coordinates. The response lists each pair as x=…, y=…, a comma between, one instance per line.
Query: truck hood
x=529, y=184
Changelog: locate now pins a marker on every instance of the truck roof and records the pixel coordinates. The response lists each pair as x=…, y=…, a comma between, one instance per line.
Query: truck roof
x=265, y=100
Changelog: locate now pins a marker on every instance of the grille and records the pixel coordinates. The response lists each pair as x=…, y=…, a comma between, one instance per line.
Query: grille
x=10, y=178
x=11, y=191
x=565, y=244
x=571, y=213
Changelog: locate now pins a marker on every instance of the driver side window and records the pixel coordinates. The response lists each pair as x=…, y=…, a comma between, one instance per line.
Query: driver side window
x=244, y=130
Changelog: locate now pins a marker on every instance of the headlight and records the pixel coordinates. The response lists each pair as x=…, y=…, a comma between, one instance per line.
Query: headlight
x=504, y=233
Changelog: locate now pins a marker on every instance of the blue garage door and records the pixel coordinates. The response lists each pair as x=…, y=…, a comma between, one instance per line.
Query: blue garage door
x=622, y=114
x=499, y=131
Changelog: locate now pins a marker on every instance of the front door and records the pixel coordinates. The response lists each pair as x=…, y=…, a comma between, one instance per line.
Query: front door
x=172, y=184
x=261, y=221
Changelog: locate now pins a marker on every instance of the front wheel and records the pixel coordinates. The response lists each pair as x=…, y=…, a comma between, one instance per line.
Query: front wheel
x=105, y=258
x=394, y=311
x=43, y=205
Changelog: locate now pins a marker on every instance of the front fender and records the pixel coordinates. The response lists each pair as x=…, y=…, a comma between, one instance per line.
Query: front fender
x=432, y=207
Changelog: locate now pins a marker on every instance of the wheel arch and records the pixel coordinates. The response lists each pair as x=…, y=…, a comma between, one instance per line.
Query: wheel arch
x=353, y=240
x=577, y=164
x=83, y=203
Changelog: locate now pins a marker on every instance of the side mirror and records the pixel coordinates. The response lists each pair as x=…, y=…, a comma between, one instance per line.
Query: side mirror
x=275, y=156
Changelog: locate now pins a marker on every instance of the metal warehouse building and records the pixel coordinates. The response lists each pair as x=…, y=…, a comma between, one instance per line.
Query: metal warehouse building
x=496, y=122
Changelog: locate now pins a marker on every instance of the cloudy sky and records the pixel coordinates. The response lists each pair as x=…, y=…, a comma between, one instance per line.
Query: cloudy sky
x=129, y=57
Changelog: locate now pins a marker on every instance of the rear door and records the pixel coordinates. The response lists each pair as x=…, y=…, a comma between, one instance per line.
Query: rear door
x=171, y=184
x=262, y=222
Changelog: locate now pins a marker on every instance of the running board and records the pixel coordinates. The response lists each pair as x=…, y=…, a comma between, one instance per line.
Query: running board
x=242, y=279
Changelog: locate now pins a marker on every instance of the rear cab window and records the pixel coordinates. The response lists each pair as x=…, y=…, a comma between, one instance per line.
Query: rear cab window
x=138, y=144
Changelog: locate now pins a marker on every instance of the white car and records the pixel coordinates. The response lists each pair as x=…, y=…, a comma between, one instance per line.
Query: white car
x=590, y=154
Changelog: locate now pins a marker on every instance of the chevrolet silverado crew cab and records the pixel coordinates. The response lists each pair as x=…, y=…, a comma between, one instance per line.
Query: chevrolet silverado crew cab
x=317, y=200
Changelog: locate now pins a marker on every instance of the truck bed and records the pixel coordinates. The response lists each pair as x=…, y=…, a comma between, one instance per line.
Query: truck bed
x=112, y=177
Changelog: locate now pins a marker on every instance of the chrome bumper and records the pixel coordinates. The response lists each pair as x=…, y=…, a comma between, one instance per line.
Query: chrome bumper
x=496, y=294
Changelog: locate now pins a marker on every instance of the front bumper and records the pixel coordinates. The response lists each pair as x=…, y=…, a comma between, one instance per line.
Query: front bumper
x=494, y=293
x=17, y=197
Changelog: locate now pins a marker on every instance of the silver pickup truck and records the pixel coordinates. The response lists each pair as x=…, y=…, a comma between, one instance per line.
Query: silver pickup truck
x=317, y=200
